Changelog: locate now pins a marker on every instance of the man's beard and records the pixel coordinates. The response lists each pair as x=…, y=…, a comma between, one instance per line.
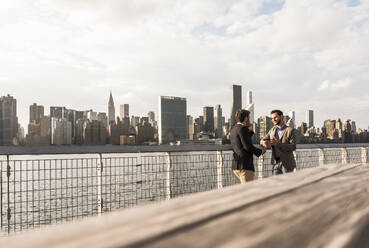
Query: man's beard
x=279, y=122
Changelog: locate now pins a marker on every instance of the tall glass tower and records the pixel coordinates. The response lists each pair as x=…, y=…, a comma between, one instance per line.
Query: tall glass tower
x=310, y=118
x=172, y=124
x=236, y=102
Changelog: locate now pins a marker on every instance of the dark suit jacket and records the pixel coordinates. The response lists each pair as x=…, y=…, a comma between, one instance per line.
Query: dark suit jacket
x=243, y=149
x=286, y=147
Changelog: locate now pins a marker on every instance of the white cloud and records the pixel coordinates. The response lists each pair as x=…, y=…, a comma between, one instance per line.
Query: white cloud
x=325, y=85
x=343, y=84
x=339, y=85
x=71, y=50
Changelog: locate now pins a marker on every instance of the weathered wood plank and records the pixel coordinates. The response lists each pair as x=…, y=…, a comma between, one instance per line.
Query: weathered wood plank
x=324, y=214
x=253, y=211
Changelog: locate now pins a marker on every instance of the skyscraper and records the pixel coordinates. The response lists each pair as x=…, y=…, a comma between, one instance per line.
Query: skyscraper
x=151, y=116
x=198, y=125
x=92, y=115
x=303, y=127
x=172, y=119
x=8, y=121
x=353, y=126
x=61, y=131
x=310, y=118
x=111, y=109
x=45, y=127
x=236, y=102
x=93, y=133
x=35, y=113
x=57, y=112
x=190, y=127
x=135, y=120
x=72, y=116
x=329, y=129
x=265, y=124
x=218, y=121
x=101, y=117
x=292, y=115
x=250, y=106
x=144, y=132
x=208, y=119
x=124, y=111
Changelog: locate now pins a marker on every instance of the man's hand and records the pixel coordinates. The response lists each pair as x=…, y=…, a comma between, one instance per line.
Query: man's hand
x=263, y=150
x=274, y=142
x=265, y=143
x=250, y=127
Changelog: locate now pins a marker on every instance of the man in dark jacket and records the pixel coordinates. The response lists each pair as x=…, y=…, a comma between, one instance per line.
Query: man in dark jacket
x=243, y=149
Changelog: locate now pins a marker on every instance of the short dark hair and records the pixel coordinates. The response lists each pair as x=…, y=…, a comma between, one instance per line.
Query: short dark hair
x=277, y=111
x=241, y=114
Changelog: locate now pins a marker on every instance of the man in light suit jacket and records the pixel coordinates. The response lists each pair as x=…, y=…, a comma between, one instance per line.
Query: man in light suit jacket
x=282, y=140
x=243, y=149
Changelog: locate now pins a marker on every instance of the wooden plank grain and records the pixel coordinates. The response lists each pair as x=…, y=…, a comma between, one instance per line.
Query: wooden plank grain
x=325, y=214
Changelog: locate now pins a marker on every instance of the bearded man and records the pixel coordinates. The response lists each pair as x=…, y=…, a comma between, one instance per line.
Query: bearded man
x=282, y=140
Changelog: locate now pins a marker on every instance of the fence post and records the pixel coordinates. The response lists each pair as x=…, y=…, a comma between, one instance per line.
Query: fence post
x=8, y=211
x=296, y=156
x=321, y=157
x=260, y=167
x=363, y=155
x=219, y=169
x=100, y=201
x=344, y=155
x=168, y=193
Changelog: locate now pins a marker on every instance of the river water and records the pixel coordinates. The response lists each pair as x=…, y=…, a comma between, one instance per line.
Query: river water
x=50, y=189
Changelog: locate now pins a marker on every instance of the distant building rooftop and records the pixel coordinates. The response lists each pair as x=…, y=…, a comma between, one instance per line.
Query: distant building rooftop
x=173, y=98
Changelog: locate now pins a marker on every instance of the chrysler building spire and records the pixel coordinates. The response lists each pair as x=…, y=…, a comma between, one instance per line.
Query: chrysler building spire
x=111, y=109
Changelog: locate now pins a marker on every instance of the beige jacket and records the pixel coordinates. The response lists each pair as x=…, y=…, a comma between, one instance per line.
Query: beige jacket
x=286, y=147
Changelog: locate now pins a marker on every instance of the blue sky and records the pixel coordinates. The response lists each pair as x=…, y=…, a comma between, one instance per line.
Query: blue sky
x=353, y=3
x=293, y=54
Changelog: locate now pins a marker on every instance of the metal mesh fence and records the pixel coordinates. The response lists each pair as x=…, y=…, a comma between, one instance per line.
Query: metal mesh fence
x=267, y=165
x=121, y=183
x=193, y=173
x=307, y=158
x=48, y=190
x=40, y=192
x=333, y=156
x=228, y=178
x=354, y=155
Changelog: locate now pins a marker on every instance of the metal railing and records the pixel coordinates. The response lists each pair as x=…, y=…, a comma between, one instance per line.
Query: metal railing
x=53, y=185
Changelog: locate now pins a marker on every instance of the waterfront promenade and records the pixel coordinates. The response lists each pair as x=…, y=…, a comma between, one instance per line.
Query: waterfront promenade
x=326, y=206
x=46, y=186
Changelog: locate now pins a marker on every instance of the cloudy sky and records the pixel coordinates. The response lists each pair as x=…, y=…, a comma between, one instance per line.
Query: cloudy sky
x=293, y=54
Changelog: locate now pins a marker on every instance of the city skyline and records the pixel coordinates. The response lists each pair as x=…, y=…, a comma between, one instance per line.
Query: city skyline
x=245, y=97
x=294, y=55
x=66, y=126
